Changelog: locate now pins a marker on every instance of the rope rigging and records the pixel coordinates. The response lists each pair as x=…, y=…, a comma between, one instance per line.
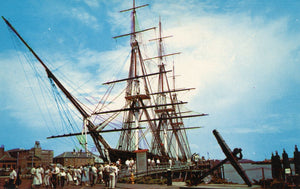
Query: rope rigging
x=42, y=101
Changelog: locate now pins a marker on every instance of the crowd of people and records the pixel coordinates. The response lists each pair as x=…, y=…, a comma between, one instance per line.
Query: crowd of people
x=53, y=176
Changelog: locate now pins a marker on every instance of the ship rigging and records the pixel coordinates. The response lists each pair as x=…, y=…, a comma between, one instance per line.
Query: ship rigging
x=152, y=118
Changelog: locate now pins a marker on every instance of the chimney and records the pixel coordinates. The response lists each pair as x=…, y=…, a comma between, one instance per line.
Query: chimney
x=1, y=150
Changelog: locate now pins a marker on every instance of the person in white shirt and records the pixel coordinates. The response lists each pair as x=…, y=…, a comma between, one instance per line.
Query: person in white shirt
x=94, y=175
x=170, y=162
x=112, y=175
x=62, y=176
x=55, y=172
x=37, y=177
x=69, y=177
x=132, y=165
x=131, y=162
x=106, y=175
x=153, y=163
x=118, y=163
x=157, y=162
x=47, y=177
x=41, y=171
x=116, y=175
x=85, y=175
x=127, y=163
x=100, y=172
x=77, y=176
x=12, y=178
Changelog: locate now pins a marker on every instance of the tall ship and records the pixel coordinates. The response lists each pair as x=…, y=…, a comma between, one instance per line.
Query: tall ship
x=151, y=113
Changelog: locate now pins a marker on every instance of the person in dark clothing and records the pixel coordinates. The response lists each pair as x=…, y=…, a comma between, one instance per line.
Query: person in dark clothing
x=12, y=178
x=18, y=181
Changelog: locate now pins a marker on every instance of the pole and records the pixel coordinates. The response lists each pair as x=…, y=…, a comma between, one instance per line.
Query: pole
x=263, y=177
x=223, y=172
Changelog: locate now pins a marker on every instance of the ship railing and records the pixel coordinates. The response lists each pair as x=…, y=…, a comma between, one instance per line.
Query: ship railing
x=153, y=169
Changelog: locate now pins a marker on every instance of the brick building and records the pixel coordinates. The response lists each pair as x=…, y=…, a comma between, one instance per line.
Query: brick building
x=76, y=159
x=34, y=156
x=6, y=160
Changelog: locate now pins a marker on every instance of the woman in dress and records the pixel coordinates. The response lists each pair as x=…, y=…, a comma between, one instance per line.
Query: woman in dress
x=47, y=178
x=37, y=177
x=85, y=175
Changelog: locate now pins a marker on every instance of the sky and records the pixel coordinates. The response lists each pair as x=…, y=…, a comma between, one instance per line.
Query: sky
x=241, y=56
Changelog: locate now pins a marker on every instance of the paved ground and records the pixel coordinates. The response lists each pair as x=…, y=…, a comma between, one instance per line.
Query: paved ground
x=26, y=184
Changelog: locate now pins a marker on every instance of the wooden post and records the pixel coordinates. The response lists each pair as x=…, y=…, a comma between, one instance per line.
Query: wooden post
x=263, y=177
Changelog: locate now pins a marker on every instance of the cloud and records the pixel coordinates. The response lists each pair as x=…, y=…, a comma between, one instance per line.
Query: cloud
x=262, y=129
x=238, y=64
x=92, y=3
x=18, y=90
x=84, y=17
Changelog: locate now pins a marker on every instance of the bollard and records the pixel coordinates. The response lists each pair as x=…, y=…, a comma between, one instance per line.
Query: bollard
x=169, y=177
x=132, y=178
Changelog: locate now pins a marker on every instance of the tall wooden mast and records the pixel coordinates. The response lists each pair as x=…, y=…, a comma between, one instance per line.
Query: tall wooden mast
x=159, y=110
x=170, y=122
x=97, y=138
x=137, y=96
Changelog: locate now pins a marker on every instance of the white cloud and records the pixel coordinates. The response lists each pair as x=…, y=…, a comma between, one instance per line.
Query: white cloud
x=238, y=64
x=84, y=17
x=92, y=3
x=261, y=129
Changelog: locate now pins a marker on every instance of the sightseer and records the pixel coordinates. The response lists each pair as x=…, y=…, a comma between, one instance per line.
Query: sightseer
x=158, y=162
x=100, y=173
x=85, y=175
x=106, y=175
x=94, y=175
x=77, y=176
x=170, y=162
x=42, y=172
x=47, y=177
x=116, y=176
x=12, y=178
x=153, y=163
x=112, y=175
x=37, y=177
x=18, y=181
x=90, y=175
x=62, y=176
x=55, y=172
x=131, y=163
x=127, y=163
x=69, y=176
x=118, y=163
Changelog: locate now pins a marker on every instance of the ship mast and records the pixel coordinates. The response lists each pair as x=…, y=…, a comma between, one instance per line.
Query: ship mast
x=170, y=120
x=165, y=123
x=97, y=138
x=137, y=95
x=168, y=123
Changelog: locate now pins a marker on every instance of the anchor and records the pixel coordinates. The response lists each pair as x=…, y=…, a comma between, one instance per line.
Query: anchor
x=231, y=156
